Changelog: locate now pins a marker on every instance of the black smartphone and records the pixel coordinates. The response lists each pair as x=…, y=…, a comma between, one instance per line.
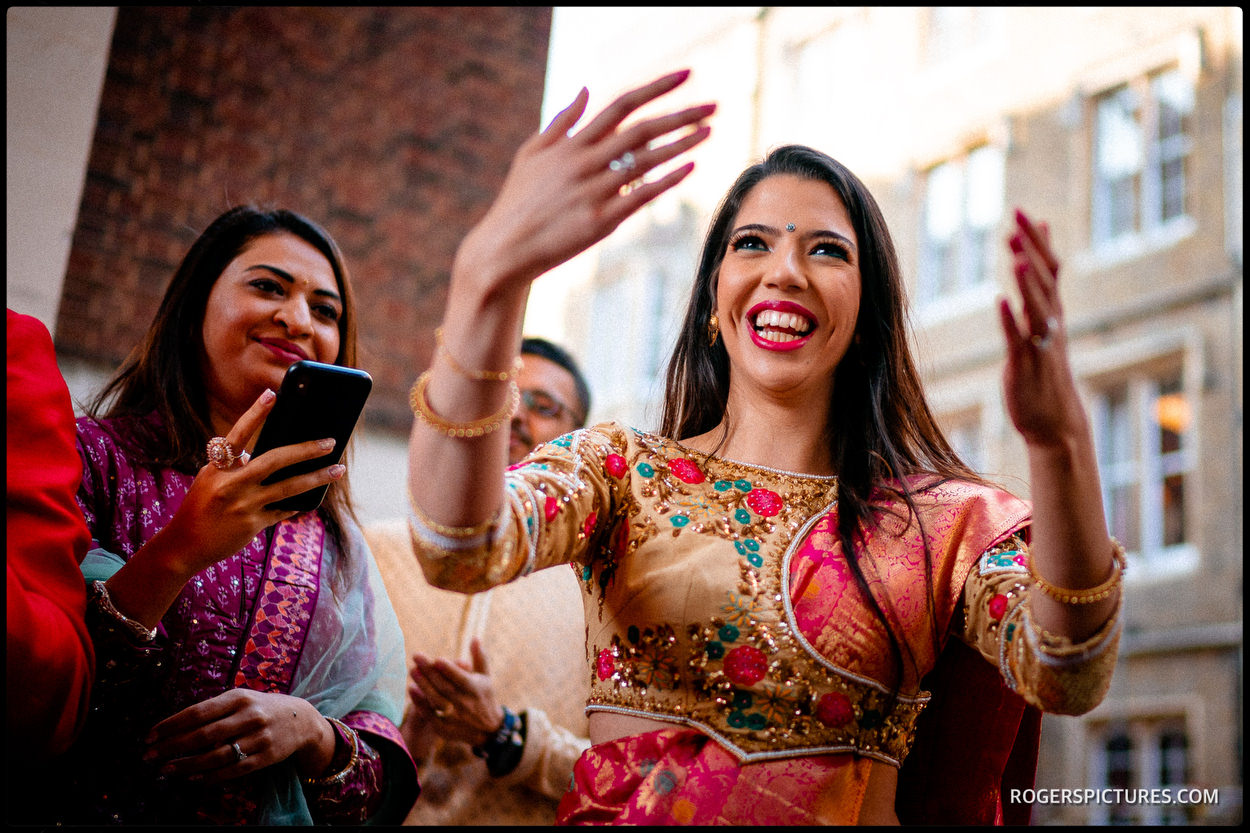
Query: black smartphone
x=316, y=401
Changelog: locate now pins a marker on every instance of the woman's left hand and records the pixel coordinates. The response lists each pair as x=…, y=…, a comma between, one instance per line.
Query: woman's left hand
x=200, y=741
x=1039, y=389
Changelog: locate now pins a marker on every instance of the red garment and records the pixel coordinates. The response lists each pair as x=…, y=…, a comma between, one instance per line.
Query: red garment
x=49, y=660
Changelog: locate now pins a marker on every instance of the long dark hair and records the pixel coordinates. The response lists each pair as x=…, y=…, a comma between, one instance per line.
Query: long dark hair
x=880, y=430
x=164, y=375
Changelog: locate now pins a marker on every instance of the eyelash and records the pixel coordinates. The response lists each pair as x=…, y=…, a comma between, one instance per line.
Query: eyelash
x=839, y=251
x=326, y=311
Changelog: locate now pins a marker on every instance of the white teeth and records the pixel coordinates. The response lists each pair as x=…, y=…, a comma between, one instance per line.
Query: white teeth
x=781, y=320
x=777, y=336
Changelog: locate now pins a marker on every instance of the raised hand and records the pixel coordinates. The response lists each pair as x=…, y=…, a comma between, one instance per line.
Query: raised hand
x=239, y=732
x=566, y=191
x=226, y=508
x=1039, y=388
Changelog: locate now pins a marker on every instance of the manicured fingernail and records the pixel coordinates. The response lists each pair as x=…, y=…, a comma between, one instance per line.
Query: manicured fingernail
x=268, y=396
x=327, y=443
x=1017, y=245
x=336, y=471
x=1021, y=217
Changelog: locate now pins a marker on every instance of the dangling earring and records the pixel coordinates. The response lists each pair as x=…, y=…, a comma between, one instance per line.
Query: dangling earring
x=713, y=329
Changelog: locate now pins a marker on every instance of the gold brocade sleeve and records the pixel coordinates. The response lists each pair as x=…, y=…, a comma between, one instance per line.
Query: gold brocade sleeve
x=558, y=503
x=1050, y=672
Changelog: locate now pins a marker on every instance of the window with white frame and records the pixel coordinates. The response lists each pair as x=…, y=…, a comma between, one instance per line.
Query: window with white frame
x=1143, y=135
x=1142, y=431
x=1144, y=754
x=962, y=208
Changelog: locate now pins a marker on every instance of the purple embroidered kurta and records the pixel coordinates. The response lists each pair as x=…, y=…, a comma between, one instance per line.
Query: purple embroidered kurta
x=257, y=619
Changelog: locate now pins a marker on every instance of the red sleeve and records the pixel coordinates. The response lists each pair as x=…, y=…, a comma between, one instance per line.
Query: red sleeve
x=49, y=661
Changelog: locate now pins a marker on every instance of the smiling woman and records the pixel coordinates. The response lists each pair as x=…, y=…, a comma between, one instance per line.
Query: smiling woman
x=801, y=605
x=251, y=666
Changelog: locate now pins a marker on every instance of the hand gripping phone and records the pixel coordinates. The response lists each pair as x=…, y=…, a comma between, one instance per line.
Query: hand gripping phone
x=316, y=401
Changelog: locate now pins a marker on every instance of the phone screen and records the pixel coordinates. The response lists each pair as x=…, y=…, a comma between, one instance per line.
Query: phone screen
x=316, y=400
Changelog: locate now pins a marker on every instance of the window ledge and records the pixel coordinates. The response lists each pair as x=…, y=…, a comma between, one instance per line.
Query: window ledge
x=1162, y=565
x=947, y=307
x=1138, y=244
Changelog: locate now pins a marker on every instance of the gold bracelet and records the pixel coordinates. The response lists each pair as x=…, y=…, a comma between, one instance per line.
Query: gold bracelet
x=451, y=531
x=475, y=375
x=342, y=773
x=420, y=405
x=1119, y=563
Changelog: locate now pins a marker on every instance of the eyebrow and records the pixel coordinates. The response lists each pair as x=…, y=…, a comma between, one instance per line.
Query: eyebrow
x=817, y=233
x=289, y=278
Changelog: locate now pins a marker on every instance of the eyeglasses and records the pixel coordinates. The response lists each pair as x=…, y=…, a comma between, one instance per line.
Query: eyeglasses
x=546, y=405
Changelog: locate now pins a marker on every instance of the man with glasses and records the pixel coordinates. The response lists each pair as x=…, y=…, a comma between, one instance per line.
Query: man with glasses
x=509, y=661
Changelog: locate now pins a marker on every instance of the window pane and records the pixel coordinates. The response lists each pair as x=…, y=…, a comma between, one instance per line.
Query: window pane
x=1173, y=510
x=1119, y=751
x=1119, y=160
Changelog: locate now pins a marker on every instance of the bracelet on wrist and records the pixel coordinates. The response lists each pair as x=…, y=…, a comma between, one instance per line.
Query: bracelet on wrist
x=503, y=750
x=420, y=405
x=1119, y=563
x=104, y=603
x=475, y=375
x=341, y=730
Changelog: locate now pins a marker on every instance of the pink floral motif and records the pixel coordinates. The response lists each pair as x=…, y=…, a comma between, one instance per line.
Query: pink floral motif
x=615, y=465
x=551, y=507
x=685, y=471
x=606, y=666
x=764, y=502
x=998, y=606
x=746, y=665
x=834, y=709
x=1019, y=559
x=589, y=526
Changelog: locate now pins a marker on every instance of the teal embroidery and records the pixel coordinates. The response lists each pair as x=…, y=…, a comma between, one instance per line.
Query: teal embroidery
x=646, y=470
x=742, y=700
x=679, y=521
x=729, y=633
x=756, y=721
x=722, y=485
x=755, y=559
x=743, y=485
x=751, y=544
x=715, y=650
x=742, y=516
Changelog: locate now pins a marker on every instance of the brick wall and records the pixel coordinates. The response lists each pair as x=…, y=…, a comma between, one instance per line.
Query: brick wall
x=391, y=127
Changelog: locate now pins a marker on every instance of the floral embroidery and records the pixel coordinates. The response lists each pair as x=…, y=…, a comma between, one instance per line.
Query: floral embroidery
x=998, y=606
x=589, y=526
x=685, y=471
x=995, y=562
x=615, y=465
x=606, y=665
x=646, y=470
x=834, y=709
x=746, y=665
x=765, y=503
x=739, y=609
x=551, y=507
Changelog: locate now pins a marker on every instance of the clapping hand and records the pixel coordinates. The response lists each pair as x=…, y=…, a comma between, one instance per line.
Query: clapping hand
x=456, y=699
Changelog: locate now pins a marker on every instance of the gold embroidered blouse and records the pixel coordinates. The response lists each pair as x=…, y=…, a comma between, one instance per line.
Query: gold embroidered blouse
x=717, y=595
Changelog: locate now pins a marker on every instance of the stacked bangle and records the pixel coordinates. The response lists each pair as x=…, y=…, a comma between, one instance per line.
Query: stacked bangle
x=347, y=732
x=477, y=428
x=475, y=375
x=503, y=750
x=1092, y=594
x=451, y=531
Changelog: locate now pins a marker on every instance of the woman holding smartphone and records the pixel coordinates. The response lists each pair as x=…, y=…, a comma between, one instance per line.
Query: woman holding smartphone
x=251, y=666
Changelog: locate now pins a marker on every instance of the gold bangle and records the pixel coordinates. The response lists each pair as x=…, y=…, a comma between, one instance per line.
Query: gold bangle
x=477, y=428
x=352, y=736
x=475, y=375
x=451, y=531
x=1119, y=563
